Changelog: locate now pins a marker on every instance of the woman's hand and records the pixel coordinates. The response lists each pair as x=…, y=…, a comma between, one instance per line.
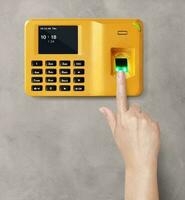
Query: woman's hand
x=137, y=137
x=135, y=133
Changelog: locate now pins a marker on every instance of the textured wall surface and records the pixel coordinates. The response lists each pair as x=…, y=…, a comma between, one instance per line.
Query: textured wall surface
x=62, y=148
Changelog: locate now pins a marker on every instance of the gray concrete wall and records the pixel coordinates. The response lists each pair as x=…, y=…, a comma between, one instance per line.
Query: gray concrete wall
x=62, y=148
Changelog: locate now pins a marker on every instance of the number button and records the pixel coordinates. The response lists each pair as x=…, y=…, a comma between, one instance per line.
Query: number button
x=51, y=71
x=65, y=79
x=36, y=88
x=65, y=71
x=78, y=71
x=65, y=63
x=78, y=79
x=36, y=71
x=51, y=63
x=36, y=62
x=36, y=80
x=78, y=88
x=65, y=87
x=51, y=79
x=79, y=63
x=51, y=87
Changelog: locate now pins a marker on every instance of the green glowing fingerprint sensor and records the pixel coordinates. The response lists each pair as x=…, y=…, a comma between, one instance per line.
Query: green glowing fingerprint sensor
x=121, y=64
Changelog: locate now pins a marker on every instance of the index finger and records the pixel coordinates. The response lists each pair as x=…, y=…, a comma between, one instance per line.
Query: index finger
x=121, y=96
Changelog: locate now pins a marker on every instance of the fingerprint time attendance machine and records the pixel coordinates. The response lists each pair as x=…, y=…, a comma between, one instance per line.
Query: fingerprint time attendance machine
x=80, y=57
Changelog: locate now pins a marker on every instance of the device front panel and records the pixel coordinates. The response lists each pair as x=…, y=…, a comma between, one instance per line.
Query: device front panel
x=77, y=57
x=57, y=58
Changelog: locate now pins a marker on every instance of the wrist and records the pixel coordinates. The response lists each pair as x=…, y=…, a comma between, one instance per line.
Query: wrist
x=142, y=168
x=143, y=180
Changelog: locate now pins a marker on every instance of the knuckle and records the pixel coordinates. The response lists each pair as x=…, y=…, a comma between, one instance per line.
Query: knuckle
x=135, y=106
x=133, y=118
x=144, y=120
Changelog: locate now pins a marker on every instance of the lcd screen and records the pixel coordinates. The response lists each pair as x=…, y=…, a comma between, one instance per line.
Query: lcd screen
x=58, y=40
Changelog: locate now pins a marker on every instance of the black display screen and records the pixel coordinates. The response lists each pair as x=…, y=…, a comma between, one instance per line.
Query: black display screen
x=58, y=40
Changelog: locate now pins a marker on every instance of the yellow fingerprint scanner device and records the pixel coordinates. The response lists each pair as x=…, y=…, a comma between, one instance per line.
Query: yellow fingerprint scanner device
x=80, y=57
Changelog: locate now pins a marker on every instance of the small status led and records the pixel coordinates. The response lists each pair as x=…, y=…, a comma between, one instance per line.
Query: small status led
x=121, y=64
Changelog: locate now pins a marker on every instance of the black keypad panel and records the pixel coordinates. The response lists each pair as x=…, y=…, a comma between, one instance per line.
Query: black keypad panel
x=51, y=63
x=65, y=71
x=36, y=71
x=79, y=63
x=65, y=88
x=78, y=87
x=78, y=71
x=51, y=79
x=65, y=63
x=51, y=71
x=51, y=87
x=36, y=79
x=36, y=88
x=65, y=79
x=36, y=62
x=78, y=79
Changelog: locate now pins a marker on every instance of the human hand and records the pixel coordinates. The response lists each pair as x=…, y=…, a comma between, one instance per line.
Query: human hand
x=136, y=134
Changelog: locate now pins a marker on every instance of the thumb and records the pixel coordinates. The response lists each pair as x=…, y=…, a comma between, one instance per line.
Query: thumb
x=110, y=117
